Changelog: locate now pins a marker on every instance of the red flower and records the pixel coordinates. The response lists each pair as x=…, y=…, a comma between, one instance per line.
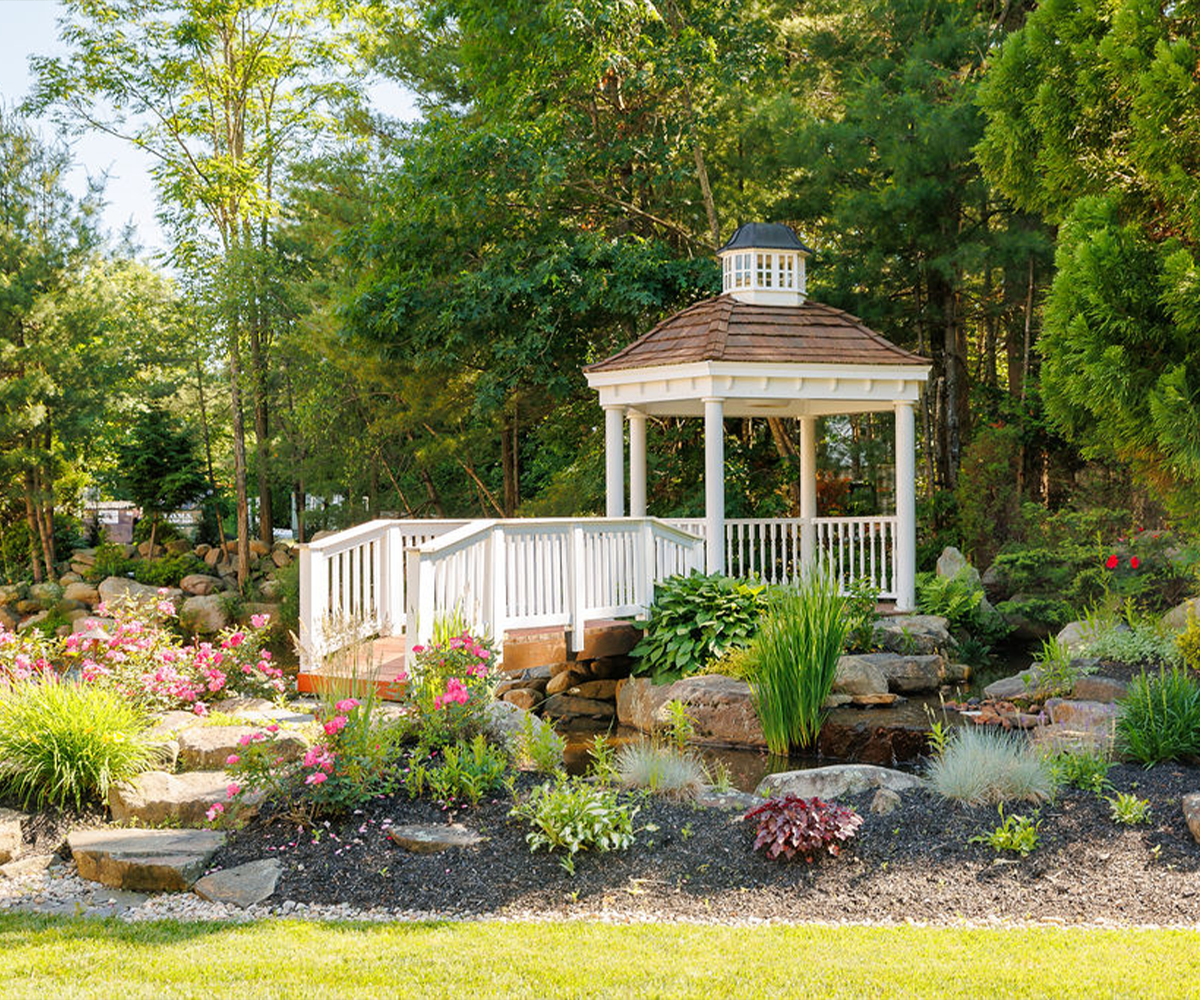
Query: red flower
x=1112, y=562
x=1134, y=563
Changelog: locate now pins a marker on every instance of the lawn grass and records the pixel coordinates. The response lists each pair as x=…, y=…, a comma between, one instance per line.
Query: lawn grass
x=64, y=958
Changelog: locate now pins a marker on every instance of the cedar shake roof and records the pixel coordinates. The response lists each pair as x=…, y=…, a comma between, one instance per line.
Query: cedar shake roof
x=724, y=329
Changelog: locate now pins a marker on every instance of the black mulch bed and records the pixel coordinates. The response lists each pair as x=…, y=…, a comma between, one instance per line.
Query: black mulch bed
x=912, y=864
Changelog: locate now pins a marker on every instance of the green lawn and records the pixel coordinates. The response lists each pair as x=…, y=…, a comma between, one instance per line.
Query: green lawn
x=61, y=958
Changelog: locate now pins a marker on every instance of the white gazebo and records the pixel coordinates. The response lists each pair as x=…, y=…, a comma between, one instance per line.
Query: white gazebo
x=762, y=349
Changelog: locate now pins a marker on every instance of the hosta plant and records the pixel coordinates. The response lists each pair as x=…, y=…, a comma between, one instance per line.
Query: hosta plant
x=790, y=826
x=573, y=815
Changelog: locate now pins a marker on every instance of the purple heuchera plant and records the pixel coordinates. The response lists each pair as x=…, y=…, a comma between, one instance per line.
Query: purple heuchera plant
x=790, y=825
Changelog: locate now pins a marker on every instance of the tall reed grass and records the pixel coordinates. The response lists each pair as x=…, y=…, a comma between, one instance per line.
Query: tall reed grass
x=794, y=661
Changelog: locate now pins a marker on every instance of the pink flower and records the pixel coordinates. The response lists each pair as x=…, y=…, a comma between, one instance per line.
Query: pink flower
x=348, y=705
x=245, y=739
x=273, y=728
x=231, y=760
x=232, y=789
x=215, y=810
x=335, y=725
x=418, y=649
x=259, y=621
x=199, y=708
x=316, y=778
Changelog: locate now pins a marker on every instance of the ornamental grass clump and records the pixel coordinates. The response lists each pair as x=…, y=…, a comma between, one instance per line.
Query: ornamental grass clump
x=660, y=770
x=795, y=658
x=980, y=767
x=64, y=743
x=1160, y=717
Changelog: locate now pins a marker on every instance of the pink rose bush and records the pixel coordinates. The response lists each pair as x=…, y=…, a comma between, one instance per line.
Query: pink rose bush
x=450, y=687
x=25, y=656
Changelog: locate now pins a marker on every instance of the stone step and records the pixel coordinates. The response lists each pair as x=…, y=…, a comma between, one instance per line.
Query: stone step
x=144, y=860
x=156, y=797
x=242, y=886
x=202, y=748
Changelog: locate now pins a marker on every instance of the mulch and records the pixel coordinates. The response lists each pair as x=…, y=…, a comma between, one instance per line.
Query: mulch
x=688, y=862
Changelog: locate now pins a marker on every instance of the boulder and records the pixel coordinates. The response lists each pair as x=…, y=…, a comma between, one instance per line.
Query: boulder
x=34, y=620
x=178, y=546
x=118, y=588
x=146, y=552
x=858, y=675
x=882, y=736
x=505, y=721
x=201, y=550
x=951, y=563
x=85, y=593
x=1191, y=813
x=216, y=555
x=993, y=582
x=1008, y=688
x=281, y=558
x=560, y=682
x=200, y=584
x=610, y=667
x=270, y=590
x=8, y=619
x=432, y=838
x=1081, y=715
x=259, y=548
x=93, y=627
x=144, y=860
x=45, y=593
x=1099, y=688
x=30, y=864
x=836, y=781
x=10, y=593
x=600, y=690
x=243, y=886
x=1177, y=617
x=156, y=798
x=885, y=801
x=86, y=557
x=901, y=673
x=204, y=615
x=28, y=606
x=914, y=634
x=11, y=837
x=69, y=577
x=203, y=748
x=524, y=698
x=1074, y=635
x=721, y=708
x=564, y=706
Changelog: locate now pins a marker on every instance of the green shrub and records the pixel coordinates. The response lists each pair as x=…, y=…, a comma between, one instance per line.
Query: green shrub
x=736, y=662
x=1144, y=640
x=1083, y=767
x=862, y=603
x=574, y=816
x=795, y=657
x=1160, y=717
x=1129, y=810
x=64, y=744
x=467, y=772
x=959, y=599
x=538, y=746
x=165, y=532
x=1015, y=833
x=110, y=561
x=979, y=767
x=287, y=579
x=168, y=570
x=695, y=619
x=1187, y=643
x=1051, y=611
x=661, y=770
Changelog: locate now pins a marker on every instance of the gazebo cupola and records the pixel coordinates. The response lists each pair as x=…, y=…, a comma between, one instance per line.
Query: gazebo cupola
x=762, y=348
x=764, y=262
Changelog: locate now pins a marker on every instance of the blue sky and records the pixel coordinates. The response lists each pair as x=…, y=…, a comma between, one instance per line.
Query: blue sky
x=27, y=27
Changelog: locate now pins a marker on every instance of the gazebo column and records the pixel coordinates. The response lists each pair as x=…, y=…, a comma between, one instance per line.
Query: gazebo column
x=906, y=508
x=637, y=463
x=808, y=491
x=714, y=482
x=614, y=460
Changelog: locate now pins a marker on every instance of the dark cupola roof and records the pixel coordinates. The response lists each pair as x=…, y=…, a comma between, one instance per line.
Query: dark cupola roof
x=764, y=236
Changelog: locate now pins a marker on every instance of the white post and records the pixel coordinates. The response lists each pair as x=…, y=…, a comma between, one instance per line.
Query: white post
x=579, y=573
x=808, y=492
x=714, y=482
x=391, y=581
x=906, y=508
x=499, y=589
x=637, y=463
x=313, y=599
x=614, y=460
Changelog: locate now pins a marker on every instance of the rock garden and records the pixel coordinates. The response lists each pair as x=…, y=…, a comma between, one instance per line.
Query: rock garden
x=150, y=768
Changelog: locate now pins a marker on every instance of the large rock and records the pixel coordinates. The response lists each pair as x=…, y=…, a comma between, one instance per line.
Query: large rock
x=86, y=557
x=178, y=546
x=144, y=860
x=902, y=674
x=215, y=556
x=721, y=708
x=565, y=706
x=204, y=615
x=1074, y=635
x=884, y=736
x=82, y=592
x=505, y=721
x=118, y=588
x=432, y=838
x=1081, y=715
x=914, y=634
x=281, y=558
x=45, y=593
x=203, y=748
x=1099, y=688
x=1191, y=813
x=201, y=584
x=8, y=620
x=1177, y=617
x=600, y=690
x=858, y=675
x=156, y=798
x=836, y=781
x=11, y=837
x=952, y=563
x=1022, y=685
x=259, y=548
x=246, y=885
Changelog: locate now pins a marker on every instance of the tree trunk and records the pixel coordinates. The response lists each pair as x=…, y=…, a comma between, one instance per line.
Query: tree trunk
x=212, y=479
x=239, y=458
x=31, y=520
x=789, y=452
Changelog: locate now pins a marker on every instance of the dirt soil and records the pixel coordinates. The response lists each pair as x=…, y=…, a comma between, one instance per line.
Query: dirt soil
x=914, y=864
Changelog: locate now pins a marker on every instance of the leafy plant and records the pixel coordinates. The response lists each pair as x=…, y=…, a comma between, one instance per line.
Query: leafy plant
x=468, y=771
x=1015, y=833
x=450, y=687
x=979, y=767
x=64, y=743
x=167, y=571
x=661, y=770
x=960, y=600
x=736, y=662
x=790, y=825
x=795, y=656
x=695, y=619
x=1130, y=637
x=538, y=746
x=679, y=728
x=1051, y=611
x=604, y=760
x=861, y=603
x=1056, y=671
x=1187, y=642
x=1128, y=809
x=1083, y=767
x=573, y=815
x=1160, y=717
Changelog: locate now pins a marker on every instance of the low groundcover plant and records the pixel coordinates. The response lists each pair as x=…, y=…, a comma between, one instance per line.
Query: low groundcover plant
x=791, y=826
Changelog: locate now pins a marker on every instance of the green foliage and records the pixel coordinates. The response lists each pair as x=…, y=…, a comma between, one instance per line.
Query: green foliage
x=467, y=772
x=679, y=727
x=959, y=599
x=604, y=760
x=660, y=770
x=538, y=746
x=1187, y=643
x=1159, y=719
x=287, y=578
x=795, y=657
x=736, y=662
x=167, y=571
x=110, y=561
x=1015, y=833
x=1142, y=640
x=574, y=816
x=1084, y=767
x=695, y=619
x=65, y=744
x=1051, y=611
x=989, y=507
x=861, y=604
x=1129, y=810
x=1055, y=671
x=979, y=767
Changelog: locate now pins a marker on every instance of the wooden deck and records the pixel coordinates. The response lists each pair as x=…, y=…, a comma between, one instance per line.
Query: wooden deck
x=523, y=648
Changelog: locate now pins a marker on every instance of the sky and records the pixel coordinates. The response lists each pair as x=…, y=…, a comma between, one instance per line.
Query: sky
x=28, y=27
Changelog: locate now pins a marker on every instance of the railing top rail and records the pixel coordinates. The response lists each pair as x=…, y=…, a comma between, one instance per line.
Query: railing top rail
x=455, y=539
x=377, y=527
x=855, y=520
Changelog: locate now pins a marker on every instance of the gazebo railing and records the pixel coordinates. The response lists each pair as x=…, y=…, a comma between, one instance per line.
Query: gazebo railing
x=772, y=548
